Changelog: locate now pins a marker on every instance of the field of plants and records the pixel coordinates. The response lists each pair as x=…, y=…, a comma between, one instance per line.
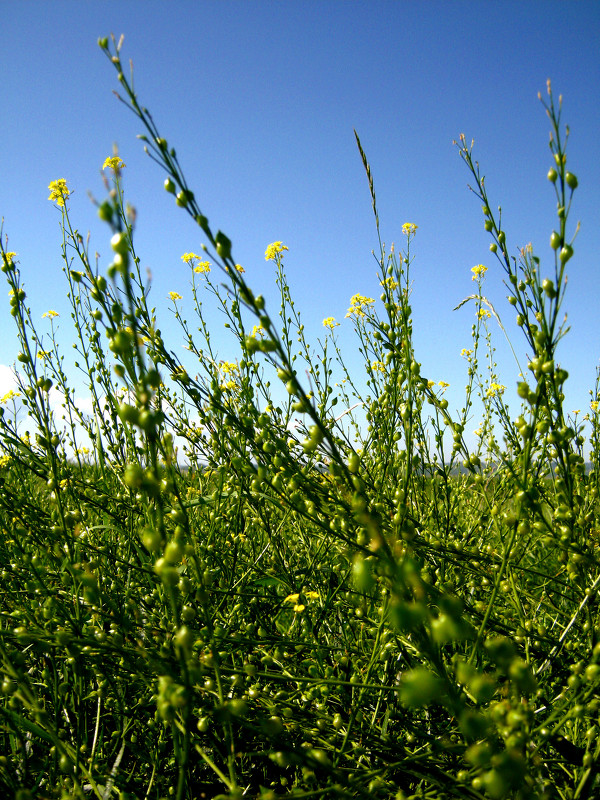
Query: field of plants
x=200, y=599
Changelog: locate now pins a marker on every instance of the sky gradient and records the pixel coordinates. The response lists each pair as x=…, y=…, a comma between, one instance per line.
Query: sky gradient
x=260, y=100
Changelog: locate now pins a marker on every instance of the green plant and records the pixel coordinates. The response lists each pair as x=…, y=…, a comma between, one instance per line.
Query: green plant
x=335, y=609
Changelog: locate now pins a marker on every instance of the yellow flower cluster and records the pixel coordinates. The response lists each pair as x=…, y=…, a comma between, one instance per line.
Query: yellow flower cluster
x=273, y=250
x=390, y=283
x=114, y=163
x=594, y=405
x=258, y=330
x=294, y=598
x=478, y=271
x=409, y=228
x=50, y=314
x=378, y=366
x=59, y=191
x=358, y=303
x=443, y=384
x=329, y=322
x=483, y=313
x=10, y=395
x=175, y=296
x=495, y=389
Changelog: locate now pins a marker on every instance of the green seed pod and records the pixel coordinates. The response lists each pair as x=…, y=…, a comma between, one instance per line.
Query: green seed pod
x=552, y=175
x=566, y=253
x=571, y=180
x=555, y=240
x=119, y=243
x=105, y=211
x=223, y=245
x=169, y=186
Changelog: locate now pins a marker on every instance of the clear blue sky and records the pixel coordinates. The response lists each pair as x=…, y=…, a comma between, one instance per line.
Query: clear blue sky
x=260, y=99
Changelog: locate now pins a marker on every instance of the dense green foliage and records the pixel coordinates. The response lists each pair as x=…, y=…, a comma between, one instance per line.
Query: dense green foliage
x=327, y=610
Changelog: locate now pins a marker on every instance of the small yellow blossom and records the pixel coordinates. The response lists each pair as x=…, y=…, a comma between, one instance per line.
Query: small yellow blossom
x=378, y=366
x=10, y=395
x=114, y=163
x=187, y=257
x=42, y=354
x=228, y=367
x=478, y=271
x=239, y=268
x=483, y=313
x=329, y=322
x=175, y=296
x=594, y=405
x=430, y=384
x=4, y=461
x=59, y=191
x=312, y=595
x=258, y=330
x=292, y=598
x=8, y=257
x=443, y=384
x=466, y=353
x=273, y=250
x=51, y=314
x=202, y=267
x=357, y=305
x=409, y=228
x=495, y=389
x=390, y=283
x=299, y=608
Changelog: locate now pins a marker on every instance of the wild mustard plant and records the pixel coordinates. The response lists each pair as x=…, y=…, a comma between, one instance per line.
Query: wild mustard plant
x=309, y=606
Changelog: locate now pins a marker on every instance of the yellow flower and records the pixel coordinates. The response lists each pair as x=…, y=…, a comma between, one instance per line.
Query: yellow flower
x=495, y=388
x=114, y=163
x=258, y=330
x=228, y=367
x=312, y=595
x=51, y=314
x=187, y=257
x=8, y=257
x=4, y=461
x=59, y=191
x=239, y=268
x=483, y=313
x=378, y=366
x=443, y=384
x=42, y=354
x=594, y=405
x=430, y=384
x=174, y=296
x=357, y=305
x=466, y=353
x=478, y=271
x=329, y=322
x=409, y=228
x=10, y=395
x=292, y=598
x=202, y=267
x=273, y=250
x=390, y=283
x=299, y=608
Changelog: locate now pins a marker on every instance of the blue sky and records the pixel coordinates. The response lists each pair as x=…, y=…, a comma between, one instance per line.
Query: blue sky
x=260, y=100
